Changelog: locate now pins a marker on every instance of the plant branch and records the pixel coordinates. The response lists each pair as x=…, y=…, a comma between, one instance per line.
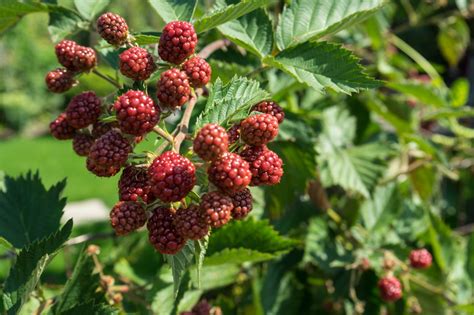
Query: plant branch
x=106, y=78
x=182, y=129
x=165, y=135
x=212, y=47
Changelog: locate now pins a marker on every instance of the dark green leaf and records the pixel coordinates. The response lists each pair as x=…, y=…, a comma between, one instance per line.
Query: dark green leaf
x=91, y=307
x=200, y=247
x=28, y=211
x=180, y=262
x=174, y=10
x=11, y=11
x=64, y=22
x=453, y=39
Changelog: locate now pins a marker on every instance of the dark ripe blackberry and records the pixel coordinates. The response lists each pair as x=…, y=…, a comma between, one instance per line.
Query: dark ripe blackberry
x=390, y=289
x=83, y=110
x=211, y=142
x=172, y=176
x=243, y=204
x=82, y=143
x=177, y=42
x=198, y=71
x=60, y=80
x=173, y=88
x=113, y=28
x=190, y=223
x=259, y=129
x=272, y=108
x=66, y=53
x=85, y=59
x=234, y=133
x=61, y=129
x=136, y=113
x=136, y=63
x=420, y=258
x=162, y=232
x=265, y=165
x=134, y=185
x=216, y=208
x=99, y=128
x=229, y=172
x=127, y=216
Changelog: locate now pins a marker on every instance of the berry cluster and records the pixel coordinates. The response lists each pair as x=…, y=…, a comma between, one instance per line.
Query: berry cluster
x=153, y=188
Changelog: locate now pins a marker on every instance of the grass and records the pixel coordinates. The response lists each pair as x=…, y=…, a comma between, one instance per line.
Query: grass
x=56, y=160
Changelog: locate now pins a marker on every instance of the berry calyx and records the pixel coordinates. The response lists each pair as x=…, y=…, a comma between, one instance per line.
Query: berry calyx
x=108, y=154
x=272, y=108
x=265, y=165
x=136, y=113
x=134, y=185
x=173, y=88
x=190, y=223
x=82, y=143
x=126, y=217
x=216, y=208
x=211, y=142
x=60, y=80
x=172, y=176
x=420, y=258
x=83, y=110
x=198, y=71
x=242, y=201
x=113, y=28
x=136, y=63
x=61, y=129
x=229, y=172
x=259, y=129
x=390, y=289
x=177, y=42
x=162, y=232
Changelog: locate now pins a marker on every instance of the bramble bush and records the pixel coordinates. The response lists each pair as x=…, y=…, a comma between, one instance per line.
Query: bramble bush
x=288, y=176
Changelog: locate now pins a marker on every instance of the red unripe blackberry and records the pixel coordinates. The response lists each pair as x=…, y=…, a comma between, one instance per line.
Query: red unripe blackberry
x=242, y=201
x=272, y=108
x=211, y=142
x=162, y=232
x=259, y=129
x=234, y=133
x=100, y=128
x=75, y=57
x=420, y=258
x=83, y=110
x=61, y=129
x=216, y=208
x=108, y=154
x=60, y=80
x=202, y=308
x=136, y=113
x=113, y=28
x=85, y=59
x=134, y=185
x=173, y=88
x=390, y=289
x=82, y=143
x=127, y=216
x=229, y=172
x=265, y=165
x=136, y=63
x=190, y=223
x=172, y=176
x=177, y=42
x=198, y=71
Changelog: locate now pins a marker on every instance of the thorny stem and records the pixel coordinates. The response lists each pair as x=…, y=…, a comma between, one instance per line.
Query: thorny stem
x=165, y=135
x=212, y=47
x=184, y=124
x=106, y=78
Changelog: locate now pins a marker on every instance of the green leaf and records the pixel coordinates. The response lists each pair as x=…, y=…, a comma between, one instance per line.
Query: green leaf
x=28, y=211
x=224, y=14
x=378, y=212
x=306, y=20
x=227, y=71
x=180, y=262
x=146, y=39
x=91, y=307
x=253, y=32
x=426, y=94
x=470, y=257
x=90, y=8
x=217, y=276
x=81, y=286
x=230, y=101
x=323, y=65
x=423, y=180
x=30, y=264
x=174, y=10
x=11, y=11
x=200, y=247
x=453, y=39
x=459, y=92
x=237, y=256
x=64, y=22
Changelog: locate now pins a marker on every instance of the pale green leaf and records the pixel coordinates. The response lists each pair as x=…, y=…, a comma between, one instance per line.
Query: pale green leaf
x=237, y=256
x=323, y=66
x=459, y=92
x=11, y=11
x=174, y=10
x=90, y=8
x=64, y=22
x=379, y=211
x=424, y=93
x=146, y=39
x=453, y=39
x=306, y=20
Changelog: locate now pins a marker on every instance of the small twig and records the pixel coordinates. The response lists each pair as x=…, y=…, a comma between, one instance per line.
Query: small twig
x=412, y=167
x=165, y=135
x=89, y=237
x=106, y=78
x=212, y=47
x=184, y=124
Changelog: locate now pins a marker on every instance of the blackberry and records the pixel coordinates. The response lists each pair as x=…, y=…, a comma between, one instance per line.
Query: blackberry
x=127, y=216
x=75, y=57
x=420, y=258
x=198, y=71
x=61, y=129
x=60, y=80
x=113, y=28
x=390, y=289
x=134, y=185
x=136, y=63
x=82, y=143
x=177, y=42
x=162, y=232
x=211, y=142
x=234, y=133
x=100, y=128
x=242, y=201
x=216, y=208
x=265, y=165
x=173, y=88
x=83, y=110
x=272, y=108
x=259, y=129
x=190, y=223
x=229, y=172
